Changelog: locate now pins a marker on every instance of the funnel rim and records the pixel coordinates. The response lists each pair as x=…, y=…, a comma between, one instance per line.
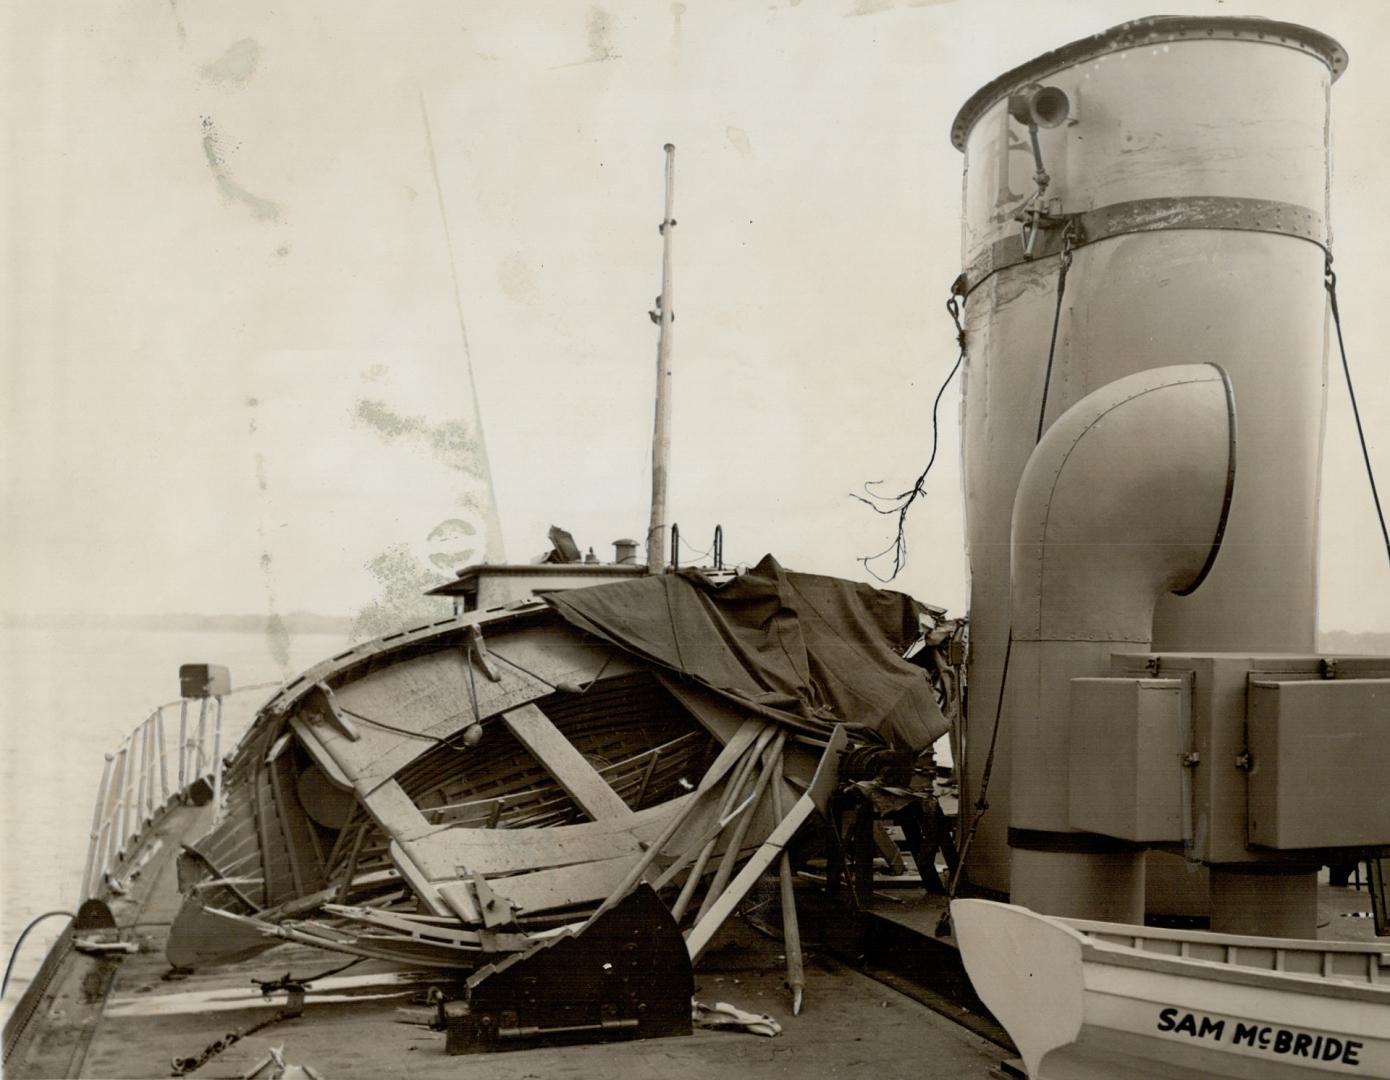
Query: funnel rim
x=1156, y=29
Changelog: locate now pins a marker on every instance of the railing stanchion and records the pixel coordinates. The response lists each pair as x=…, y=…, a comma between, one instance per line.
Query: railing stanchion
x=199, y=753
x=118, y=841
x=94, y=842
x=141, y=736
x=183, y=745
x=151, y=770
x=163, y=755
x=131, y=810
x=217, y=756
x=110, y=825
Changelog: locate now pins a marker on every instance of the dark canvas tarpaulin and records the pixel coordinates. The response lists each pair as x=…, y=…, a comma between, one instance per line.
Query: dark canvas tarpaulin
x=805, y=649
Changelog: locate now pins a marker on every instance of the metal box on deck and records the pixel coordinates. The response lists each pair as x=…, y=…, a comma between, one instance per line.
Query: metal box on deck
x=1127, y=738
x=1319, y=763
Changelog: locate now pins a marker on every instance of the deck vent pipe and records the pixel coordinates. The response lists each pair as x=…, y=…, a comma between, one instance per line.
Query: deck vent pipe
x=1125, y=499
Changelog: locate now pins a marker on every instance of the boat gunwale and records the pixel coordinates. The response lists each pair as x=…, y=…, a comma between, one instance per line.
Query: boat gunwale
x=1087, y=927
x=1288, y=982
x=369, y=652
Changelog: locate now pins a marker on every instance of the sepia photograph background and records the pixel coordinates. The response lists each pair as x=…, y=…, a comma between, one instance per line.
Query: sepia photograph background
x=307, y=306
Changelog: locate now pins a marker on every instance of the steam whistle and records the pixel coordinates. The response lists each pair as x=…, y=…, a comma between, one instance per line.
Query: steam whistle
x=1038, y=106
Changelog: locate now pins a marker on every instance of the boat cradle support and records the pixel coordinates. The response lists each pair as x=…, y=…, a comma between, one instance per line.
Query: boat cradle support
x=627, y=975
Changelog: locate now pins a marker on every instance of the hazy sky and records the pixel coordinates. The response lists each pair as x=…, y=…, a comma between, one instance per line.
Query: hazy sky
x=233, y=366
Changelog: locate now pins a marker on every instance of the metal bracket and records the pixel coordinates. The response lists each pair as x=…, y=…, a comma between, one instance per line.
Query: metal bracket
x=477, y=647
x=332, y=713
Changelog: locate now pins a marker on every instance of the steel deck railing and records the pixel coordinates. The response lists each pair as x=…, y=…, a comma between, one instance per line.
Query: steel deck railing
x=144, y=776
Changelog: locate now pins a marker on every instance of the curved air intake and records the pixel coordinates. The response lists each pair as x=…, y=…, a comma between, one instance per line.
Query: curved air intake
x=1125, y=498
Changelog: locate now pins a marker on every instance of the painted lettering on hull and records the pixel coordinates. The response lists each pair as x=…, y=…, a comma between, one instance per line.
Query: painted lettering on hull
x=1270, y=1038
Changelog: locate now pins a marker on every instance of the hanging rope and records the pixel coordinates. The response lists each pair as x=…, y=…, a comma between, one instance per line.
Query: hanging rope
x=1330, y=281
x=902, y=502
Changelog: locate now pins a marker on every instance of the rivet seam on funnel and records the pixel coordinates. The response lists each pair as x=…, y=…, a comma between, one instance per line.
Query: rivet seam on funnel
x=1155, y=30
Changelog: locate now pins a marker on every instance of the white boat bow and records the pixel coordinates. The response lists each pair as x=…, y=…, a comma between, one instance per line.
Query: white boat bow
x=1092, y=1000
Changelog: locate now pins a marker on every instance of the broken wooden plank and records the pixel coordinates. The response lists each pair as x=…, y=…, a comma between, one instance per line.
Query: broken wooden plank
x=731, y=794
x=459, y=896
x=496, y=910
x=428, y=931
x=419, y=883
x=395, y=811
x=509, y=851
x=771, y=759
x=566, y=764
x=707, y=825
x=791, y=929
x=817, y=797
x=888, y=848
x=733, y=752
x=570, y=886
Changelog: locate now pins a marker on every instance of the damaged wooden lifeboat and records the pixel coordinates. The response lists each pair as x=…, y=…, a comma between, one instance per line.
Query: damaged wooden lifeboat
x=471, y=787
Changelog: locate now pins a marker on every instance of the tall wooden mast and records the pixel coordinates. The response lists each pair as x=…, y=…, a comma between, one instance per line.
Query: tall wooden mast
x=661, y=433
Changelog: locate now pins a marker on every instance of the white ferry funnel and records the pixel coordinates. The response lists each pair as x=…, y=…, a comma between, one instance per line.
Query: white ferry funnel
x=1182, y=217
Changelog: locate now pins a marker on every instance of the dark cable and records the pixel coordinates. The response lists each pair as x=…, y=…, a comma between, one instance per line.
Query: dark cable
x=981, y=800
x=692, y=549
x=268, y=986
x=524, y=670
x=581, y=691
x=14, y=953
x=1064, y=265
x=473, y=691
x=402, y=731
x=1330, y=280
x=902, y=502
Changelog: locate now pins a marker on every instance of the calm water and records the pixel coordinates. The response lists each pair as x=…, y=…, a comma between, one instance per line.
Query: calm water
x=66, y=697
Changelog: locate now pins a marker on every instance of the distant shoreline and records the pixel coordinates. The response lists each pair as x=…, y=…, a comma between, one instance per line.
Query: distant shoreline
x=1362, y=643
x=295, y=622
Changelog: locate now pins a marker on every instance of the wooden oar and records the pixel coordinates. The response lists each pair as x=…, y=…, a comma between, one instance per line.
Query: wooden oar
x=791, y=930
